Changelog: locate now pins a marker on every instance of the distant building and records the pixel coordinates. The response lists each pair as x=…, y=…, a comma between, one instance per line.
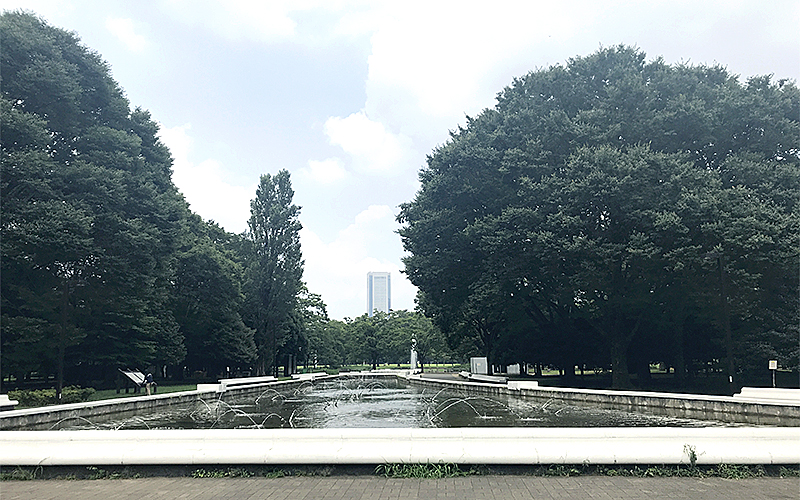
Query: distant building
x=379, y=292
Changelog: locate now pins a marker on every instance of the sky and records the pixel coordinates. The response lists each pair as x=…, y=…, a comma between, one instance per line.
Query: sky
x=351, y=96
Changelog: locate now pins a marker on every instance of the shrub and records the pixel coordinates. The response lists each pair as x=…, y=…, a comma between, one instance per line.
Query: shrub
x=44, y=397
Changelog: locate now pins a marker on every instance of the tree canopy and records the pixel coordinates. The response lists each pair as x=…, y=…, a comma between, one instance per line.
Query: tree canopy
x=274, y=267
x=90, y=216
x=614, y=212
x=104, y=266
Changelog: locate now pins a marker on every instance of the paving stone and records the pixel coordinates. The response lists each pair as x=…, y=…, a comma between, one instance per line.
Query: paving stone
x=376, y=488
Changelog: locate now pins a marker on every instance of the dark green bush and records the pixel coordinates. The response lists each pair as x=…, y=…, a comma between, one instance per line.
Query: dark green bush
x=44, y=397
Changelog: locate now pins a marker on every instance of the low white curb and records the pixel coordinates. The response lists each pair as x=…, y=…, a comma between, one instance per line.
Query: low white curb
x=614, y=445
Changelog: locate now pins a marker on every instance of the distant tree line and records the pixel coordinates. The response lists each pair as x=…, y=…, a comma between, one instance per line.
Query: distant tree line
x=613, y=213
x=377, y=340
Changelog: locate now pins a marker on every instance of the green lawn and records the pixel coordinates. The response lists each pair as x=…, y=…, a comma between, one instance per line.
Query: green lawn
x=162, y=389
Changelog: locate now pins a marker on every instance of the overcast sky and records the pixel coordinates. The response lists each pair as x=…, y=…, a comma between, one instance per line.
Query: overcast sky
x=350, y=96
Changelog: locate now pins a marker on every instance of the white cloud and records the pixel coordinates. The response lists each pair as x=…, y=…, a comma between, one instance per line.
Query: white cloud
x=361, y=19
x=326, y=171
x=313, y=23
x=337, y=270
x=433, y=63
x=204, y=185
x=374, y=149
x=49, y=9
x=123, y=29
x=238, y=19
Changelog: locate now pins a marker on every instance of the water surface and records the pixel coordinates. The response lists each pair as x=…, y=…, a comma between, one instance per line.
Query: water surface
x=375, y=403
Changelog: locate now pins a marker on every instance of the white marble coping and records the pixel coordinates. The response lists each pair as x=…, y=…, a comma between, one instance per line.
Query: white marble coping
x=516, y=385
x=309, y=376
x=234, y=382
x=783, y=395
x=749, y=395
x=475, y=445
x=6, y=402
x=493, y=379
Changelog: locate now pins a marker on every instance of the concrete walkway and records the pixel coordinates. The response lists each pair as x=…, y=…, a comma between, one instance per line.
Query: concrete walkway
x=502, y=487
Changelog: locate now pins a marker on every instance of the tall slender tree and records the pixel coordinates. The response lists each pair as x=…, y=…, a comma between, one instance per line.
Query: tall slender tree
x=274, y=272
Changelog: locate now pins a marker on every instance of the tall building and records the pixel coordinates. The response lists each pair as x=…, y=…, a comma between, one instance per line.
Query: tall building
x=379, y=292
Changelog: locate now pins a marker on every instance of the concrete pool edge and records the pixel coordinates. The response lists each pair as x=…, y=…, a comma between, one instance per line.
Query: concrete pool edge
x=728, y=409
x=510, y=446
x=11, y=420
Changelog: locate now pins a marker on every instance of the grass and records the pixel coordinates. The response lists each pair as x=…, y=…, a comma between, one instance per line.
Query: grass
x=423, y=471
x=229, y=472
x=21, y=474
x=419, y=471
x=162, y=389
x=97, y=473
x=28, y=401
x=724, y=471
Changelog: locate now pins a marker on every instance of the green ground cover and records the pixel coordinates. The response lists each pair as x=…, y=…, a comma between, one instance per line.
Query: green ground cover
x=429, y=471
x=44, y=397
x=162, y=389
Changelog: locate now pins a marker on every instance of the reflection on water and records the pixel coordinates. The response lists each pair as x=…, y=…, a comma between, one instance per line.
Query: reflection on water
x=364, y=402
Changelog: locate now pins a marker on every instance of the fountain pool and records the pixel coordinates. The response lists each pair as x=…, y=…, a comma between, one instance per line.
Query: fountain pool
x=373, y=420
x=385, y=402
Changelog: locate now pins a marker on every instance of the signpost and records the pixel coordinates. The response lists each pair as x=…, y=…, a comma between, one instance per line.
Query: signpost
x=773, y=365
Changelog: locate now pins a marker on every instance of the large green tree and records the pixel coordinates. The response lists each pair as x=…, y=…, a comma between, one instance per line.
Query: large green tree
x=208, y=300
x=273, y=278
x=103, y=264
x=621, y=201
x=90, y=217
x=323, y=346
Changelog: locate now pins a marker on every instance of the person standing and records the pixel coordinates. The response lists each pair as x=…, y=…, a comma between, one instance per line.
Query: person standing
x=148, y=383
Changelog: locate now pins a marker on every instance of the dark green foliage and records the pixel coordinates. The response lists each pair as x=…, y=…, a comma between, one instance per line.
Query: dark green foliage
x=87, y=236
x=616, y=213
x=273, y=277
x=387, y=338
x=103, y=264
x=44, y=397
x=322, y=345
x=207, y=303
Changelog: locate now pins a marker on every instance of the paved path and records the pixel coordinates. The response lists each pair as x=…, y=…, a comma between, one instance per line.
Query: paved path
x=503, y=487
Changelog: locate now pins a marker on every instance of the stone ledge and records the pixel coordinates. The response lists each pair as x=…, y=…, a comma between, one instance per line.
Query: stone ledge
x=531, y=446
x=6, y=403
x=721, y=408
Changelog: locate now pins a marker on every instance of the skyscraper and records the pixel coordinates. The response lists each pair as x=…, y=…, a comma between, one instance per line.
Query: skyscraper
x=379, y=292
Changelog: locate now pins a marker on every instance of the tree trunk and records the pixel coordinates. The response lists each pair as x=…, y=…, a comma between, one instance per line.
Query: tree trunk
x=620, y=377
x=726, y=322
x=569, y=371
x=642, y=366
x=678, y=356
x=62, y=338
x=619, y=339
